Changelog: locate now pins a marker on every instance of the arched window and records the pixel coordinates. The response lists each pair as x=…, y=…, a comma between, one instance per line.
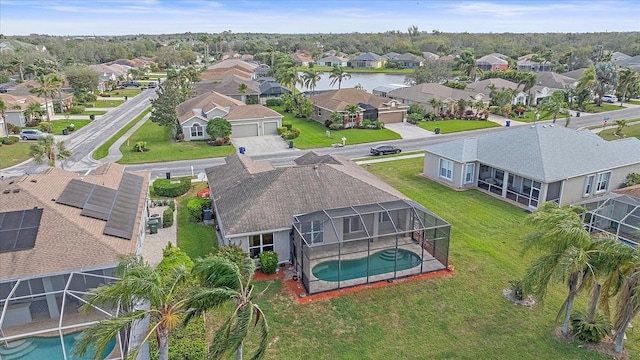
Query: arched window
x=197, y=130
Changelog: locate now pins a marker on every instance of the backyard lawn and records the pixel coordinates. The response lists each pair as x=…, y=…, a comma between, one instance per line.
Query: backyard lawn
x=451, y=126
x=161, y=148
x=15, y=153
x=464, y=316
x=196, y=240
x=313, y=134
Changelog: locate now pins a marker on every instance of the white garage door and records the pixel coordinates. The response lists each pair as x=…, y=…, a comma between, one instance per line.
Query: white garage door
x=270, y=128
x=244, y=130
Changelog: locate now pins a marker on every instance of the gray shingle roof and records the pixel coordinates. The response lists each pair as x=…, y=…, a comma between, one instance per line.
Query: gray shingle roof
x=368, y=57
x=544, y=153
x=251, y=198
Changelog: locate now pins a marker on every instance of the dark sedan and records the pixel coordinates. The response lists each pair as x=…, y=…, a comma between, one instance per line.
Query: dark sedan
x=385, y=149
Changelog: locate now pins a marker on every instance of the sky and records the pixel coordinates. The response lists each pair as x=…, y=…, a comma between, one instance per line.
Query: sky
x=125, y=17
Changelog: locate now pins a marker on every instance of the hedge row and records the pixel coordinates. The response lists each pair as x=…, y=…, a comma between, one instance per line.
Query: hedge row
x=195, y=206
x=167, y=218
x=171, y=188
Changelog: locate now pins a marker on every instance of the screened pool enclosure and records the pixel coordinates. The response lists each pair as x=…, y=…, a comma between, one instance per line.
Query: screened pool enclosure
x=616, y=214
x=348, y=246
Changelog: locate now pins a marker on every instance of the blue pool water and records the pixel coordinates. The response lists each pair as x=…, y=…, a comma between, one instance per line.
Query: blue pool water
x=37, y=348
x=381, y=262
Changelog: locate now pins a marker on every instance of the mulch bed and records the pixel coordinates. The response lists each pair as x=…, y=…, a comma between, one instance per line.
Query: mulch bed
x=605, y=346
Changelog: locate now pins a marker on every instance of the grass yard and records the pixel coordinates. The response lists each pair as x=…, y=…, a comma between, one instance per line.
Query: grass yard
x=131, y=92
x=451, y=126
x=163, y=149
x=196, y=240
x=460, y=317
x=14, y=154
x=58, y=125
x=103, y=103
x=87, y=113
x=313, y=134
x=634, y=102
x=103, y=150
x=594, y=109
x=529, y=116
x=628, y=131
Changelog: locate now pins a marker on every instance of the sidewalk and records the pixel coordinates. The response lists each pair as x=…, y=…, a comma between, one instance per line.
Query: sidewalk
x=114, y=151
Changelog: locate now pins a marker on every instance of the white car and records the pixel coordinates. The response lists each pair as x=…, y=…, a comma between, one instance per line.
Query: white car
x=609, y=98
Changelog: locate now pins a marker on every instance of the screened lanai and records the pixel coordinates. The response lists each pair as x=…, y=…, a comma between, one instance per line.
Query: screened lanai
x=615, y=214
x=355, y=245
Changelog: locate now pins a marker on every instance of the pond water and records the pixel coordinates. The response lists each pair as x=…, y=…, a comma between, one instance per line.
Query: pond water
x=368, y=81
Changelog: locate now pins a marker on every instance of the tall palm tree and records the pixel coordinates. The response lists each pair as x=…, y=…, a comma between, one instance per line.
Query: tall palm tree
x=606, y=79
x=33, y=111
x=47, y=147
x=288, y=77
x=528, y=81
x=3, y=114
x=337, y=75
x=466, y=63
x=588, y=80
x=226, y=282
x=628, y=78
x=205, y=41
x=139, y=283
x=242, y=90
x=18, y=64
x=554, y=104
x=561, y=235
x=628, y=305
x=310, y=78
x=48, y=86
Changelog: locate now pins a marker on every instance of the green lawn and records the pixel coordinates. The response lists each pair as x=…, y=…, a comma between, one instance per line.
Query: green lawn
x=628, y=131
x=14, y=154
x=163, y=149
x=464, y=316
x=594, y=109
x=103, y=150
x=58, y=125
x=131, y=92
x=314, y=135
x=87, y=113
x=197, y=240
x=529, y=116
x=634, y=102
x=451, y=126
x=103, y=103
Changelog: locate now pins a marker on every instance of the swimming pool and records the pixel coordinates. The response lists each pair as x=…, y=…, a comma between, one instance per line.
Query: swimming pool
x=37, y=348
x=381, y=262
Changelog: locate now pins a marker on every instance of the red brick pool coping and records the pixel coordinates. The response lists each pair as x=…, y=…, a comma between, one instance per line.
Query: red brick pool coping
x=296, y=288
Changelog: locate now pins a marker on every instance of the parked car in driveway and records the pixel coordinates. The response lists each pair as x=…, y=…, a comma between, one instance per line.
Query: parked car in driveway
x=31, y=134
x=609, y=98
x=385, y=149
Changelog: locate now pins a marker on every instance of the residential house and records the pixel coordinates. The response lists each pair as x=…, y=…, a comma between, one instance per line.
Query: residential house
x=366, y=61
x=632, y=61
x=554, y=80
x=529, y=165
x=430, y=56
x=493, y=62
x=217, y=74
x=332, y=61
x=383, y=90
x=617, y=56
x=406, y=61
x=423, y=93
x=230, y=86
x=301, y=213
x=302, y=59
x=371, y=107
x=270, y=88
x=62, y=234
x=17, y=104
x=575, y=74
x=483, y=86
x=224, y=65
x=526, y=63
x=246, y=120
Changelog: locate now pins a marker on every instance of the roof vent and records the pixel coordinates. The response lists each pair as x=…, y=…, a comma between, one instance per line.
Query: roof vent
x=34, y=180
x=16, y=191
x=6, y=191
x=551, y=125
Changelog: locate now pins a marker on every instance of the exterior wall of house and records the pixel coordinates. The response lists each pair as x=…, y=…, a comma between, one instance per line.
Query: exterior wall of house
x=16, y=117
x=281, y=244
x=574, y=188
x=391, y=117
x=265, y=125
x=432, y=171
x=216, y=112
x=320, y=114
x=187, y=127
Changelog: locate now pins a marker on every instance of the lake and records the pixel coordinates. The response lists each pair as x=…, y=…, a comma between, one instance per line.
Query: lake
x=367, y=80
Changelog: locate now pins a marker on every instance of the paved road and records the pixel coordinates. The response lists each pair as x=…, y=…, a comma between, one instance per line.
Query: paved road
x=84, y=141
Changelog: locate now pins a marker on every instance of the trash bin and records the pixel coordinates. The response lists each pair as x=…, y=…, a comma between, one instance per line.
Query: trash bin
x=207, y=214
x=153, y=226
x=65, y=131
x=126, y=98
x=92, y=117
x=507, y=123
x=242, y=149
x=436, y=130
x=290, y=144
x=578, y=114
x=168, y=174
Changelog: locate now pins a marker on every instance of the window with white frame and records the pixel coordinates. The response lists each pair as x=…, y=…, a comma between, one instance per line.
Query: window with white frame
x=351, y=224
x=603, y=181
x=259, y=243
x=313, y=231
x=588, y=185
x=197, y=130
x=446, y=169
x=469, y=172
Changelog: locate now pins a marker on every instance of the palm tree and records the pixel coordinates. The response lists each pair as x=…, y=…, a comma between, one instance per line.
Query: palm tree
x=18, y=64
x=310, y=78
x=554, y=105
x=48, y=148
x=288, y=77
x=528, y=81
x=588, y=80
x=606, y=79
x=205, y=41
x=139, y=284
x=225, y=282
x=33, y=111
x=628, y=305
x=436, y=104
x=242, y=89
x=628, y=78
x=3, y=114
x=466, y=63
x=48, y=86
x=560, y=233
x=337, y=75
x=621, y=124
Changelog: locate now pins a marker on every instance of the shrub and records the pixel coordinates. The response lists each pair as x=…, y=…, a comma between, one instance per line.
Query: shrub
x=287, y=125
x=33, y=123
x=632, y=179
x=76, y=109
x=13, y=129
x=171, y=188
x=336, y=126
x=590, y=332
x=274, y=102
x=495, y=110
x=233, y=253
x=414, y=118
x=517, y=290
x=140, y=146
x=44, y=127
x=289, y=135
x=379, y=124
x=194, y=207
x=171, y=257
x=167, y=218
x=9, y=140
x=282, y=130
x=269, y=262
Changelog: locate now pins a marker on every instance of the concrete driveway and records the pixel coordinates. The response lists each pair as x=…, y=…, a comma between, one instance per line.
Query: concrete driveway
x=409, y=131
x=261, y=145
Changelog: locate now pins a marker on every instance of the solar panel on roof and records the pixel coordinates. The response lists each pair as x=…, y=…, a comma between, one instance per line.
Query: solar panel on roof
x=76, y=193
x=99, y=203
x=122, y=218
x=19, y=229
